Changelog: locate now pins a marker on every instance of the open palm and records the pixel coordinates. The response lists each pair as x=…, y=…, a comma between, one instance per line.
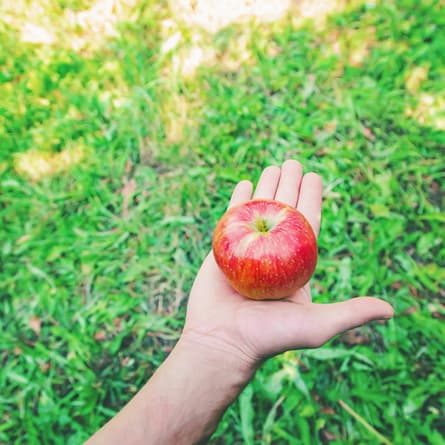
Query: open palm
x=218, y=317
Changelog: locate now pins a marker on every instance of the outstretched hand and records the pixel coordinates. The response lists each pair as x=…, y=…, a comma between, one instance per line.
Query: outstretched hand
x=221, y=319
x=227, y=336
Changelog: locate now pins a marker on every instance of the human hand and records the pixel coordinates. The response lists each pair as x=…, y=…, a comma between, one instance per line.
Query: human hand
x=226, y=336
x=222, y=320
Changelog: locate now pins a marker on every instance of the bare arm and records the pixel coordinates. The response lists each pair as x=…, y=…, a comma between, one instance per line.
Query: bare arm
x=184, y=400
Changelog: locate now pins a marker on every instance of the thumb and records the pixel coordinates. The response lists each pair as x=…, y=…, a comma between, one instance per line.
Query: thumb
x=336, y=318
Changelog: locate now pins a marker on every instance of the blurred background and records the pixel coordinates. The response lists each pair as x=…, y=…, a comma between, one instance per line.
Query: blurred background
x=125, y=124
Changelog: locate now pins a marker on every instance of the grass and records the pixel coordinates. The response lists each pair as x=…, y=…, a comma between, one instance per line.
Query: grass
x=118, y=154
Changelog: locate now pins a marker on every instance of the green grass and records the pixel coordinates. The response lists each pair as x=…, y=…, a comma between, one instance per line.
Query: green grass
x=101, y=240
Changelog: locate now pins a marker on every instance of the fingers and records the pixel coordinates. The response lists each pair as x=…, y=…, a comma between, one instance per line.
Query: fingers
x=335, y=318
x=241, y=193
x=268, y=183
x=289, y=185
x=309, y=200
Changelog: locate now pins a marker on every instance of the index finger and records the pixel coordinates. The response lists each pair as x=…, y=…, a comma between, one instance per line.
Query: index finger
x=241, y=193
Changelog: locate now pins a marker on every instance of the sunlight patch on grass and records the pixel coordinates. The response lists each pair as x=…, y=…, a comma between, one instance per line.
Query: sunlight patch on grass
x=42, y=22
x=201, y=20
x=219, y=35
x=171, y=42
x=415, y=78
x=37, y=165
x=98, y=22
x=360, y=43
x=430, y=111
x=187, y=60
x=214, y=15
x=239, y=53
x=352, y=46
x=186, y=57
x=31, y=33
x=318, y=11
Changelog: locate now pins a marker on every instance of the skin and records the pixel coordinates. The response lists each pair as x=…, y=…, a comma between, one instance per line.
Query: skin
x=226, y=337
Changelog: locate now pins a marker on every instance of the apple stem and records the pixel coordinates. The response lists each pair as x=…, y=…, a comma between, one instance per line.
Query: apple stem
x=262, y=225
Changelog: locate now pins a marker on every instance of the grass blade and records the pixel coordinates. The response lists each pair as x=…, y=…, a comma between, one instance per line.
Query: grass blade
x=362, y=421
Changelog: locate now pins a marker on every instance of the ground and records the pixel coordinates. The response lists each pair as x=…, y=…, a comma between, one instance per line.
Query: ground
x=124, y=126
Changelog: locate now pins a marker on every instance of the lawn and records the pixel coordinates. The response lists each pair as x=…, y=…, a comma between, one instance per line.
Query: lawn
x=124, y=127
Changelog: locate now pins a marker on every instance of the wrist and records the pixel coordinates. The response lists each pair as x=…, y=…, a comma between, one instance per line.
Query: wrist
x=212, y=353
x=191, y=390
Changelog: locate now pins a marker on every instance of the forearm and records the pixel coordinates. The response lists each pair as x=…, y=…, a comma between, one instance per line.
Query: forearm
x=183, y=402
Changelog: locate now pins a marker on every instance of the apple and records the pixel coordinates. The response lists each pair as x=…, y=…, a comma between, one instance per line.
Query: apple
x=265, y=249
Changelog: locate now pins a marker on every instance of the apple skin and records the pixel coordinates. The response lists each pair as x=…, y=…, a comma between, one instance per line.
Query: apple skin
x=265, y=249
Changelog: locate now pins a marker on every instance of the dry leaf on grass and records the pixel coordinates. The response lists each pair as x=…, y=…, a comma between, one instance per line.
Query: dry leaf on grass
x=127, y=191
x=35, y=324
x=100, y=335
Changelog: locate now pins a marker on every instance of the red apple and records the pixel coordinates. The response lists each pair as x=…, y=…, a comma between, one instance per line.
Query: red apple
x=265, y=249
